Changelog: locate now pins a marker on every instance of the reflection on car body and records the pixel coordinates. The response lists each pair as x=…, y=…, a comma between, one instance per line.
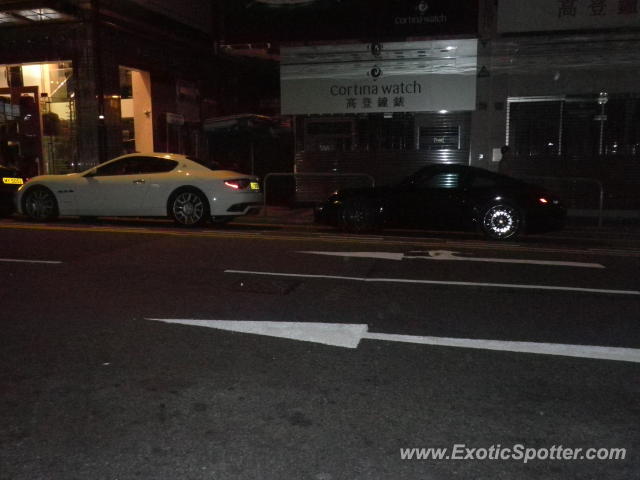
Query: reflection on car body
x=448, y=196
x=141, y=185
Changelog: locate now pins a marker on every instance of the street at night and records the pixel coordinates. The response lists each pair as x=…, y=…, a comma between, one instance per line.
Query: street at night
x=99, y=381
x=319, y=240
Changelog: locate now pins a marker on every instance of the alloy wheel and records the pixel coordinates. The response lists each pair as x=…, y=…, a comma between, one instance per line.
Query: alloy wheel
x=188, y=208
x=40, y=204
x=357, y=217
x=501, y=221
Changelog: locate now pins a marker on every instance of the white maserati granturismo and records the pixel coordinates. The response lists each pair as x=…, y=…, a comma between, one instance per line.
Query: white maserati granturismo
x=143, y=185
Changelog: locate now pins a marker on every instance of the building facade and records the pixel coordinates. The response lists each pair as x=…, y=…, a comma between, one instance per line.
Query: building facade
x=84, y=81
x=387, y=87
x=374, y=88
x=562, y=91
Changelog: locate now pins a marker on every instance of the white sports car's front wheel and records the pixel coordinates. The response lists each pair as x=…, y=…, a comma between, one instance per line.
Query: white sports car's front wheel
x=189, y=208
x=39, y=204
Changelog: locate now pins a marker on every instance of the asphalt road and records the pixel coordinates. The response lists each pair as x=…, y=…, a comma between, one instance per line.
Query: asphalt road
x=93, y=388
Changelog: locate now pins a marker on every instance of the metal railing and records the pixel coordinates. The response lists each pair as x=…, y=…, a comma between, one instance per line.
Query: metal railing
x=566, y=186
x=370, y=179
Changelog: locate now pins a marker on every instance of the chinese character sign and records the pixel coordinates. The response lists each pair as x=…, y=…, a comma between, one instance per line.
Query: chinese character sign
x=554, y=15
x=438, y=84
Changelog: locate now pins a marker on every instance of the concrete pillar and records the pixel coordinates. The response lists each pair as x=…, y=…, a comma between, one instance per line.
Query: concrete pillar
x=84, y=91
x=142, y=114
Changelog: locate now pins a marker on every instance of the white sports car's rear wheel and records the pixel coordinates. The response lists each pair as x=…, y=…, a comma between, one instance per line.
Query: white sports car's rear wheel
x=39, y=204
x=189, y=208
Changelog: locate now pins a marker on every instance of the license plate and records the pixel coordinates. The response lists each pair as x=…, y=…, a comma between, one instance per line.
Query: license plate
x=254, y=186
x=14, y=181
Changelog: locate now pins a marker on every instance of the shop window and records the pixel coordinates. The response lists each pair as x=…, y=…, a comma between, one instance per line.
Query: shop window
x=37, y=117
x=580, y=128
x=534, y=128
x=364, y=133
x=577, y=128
x=331, y=135
x=381, y=133
x=621, y=127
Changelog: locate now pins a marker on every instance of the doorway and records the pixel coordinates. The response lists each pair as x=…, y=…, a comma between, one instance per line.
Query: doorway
x=20, y=133
x=135, y=108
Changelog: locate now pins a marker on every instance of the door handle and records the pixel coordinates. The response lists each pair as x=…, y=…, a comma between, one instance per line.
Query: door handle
x=139, y=181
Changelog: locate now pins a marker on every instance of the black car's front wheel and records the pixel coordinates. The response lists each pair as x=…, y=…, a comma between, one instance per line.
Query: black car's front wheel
x=39, y=204
x=189, y=208
x=501, y=221
x=358, y=216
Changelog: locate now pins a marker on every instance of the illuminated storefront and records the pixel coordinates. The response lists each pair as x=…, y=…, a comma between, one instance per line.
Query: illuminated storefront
x=81, y=84
x=37, y=117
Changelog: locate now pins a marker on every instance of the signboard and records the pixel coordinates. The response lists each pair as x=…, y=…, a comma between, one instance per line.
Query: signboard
x=402, y=77
x=250, y=21
x=552, y=15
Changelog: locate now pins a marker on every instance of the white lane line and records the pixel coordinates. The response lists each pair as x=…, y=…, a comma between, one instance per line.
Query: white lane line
x=452, y=256
x=349, y=336
x=442, y=282
x=18, y=260
x=580, y=351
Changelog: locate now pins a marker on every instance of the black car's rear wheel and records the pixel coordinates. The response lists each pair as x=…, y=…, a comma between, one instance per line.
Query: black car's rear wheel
x=39, y=204
x=501, y=221
x=358, y=216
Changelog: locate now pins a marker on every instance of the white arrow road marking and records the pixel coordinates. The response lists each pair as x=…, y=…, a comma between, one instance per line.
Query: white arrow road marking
x=442, y=282
x=349, y=336
x=335, y=334
x=380, y=255
x=17, y=260
x=449, y=255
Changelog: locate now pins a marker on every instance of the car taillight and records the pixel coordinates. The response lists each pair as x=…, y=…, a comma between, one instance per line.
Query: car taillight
x=239, y=184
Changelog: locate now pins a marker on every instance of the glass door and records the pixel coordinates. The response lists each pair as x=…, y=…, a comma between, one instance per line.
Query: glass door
x=20, y=130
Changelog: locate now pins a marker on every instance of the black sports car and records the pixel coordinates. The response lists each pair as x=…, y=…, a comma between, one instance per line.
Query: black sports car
x=448, y=196
x=10, y=181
